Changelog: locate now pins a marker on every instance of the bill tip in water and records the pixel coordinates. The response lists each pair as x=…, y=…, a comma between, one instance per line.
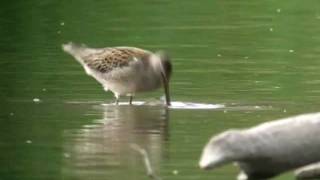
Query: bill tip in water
x=165, y=99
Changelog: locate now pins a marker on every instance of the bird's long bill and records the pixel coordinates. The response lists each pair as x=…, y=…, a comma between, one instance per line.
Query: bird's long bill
x=165, y=83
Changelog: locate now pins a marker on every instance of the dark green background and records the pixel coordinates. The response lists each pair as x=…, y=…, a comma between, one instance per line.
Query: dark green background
x=259, y=58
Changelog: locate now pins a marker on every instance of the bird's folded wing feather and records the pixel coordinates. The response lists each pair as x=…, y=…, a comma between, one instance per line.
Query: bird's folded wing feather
x=110, y=58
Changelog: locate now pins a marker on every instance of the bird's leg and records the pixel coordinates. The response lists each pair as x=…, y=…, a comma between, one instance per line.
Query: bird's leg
x=117, y=99
x=130, y=100
x=165, y=83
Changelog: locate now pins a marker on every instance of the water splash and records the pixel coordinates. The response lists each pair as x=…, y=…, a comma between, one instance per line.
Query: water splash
x=174, y=105
x=191, y=105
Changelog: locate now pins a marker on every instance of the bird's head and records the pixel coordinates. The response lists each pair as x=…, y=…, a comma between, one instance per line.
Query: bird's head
x=166, y=71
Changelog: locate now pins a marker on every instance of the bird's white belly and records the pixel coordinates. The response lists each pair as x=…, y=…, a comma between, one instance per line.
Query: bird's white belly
x=128, y=81
x=121, y=88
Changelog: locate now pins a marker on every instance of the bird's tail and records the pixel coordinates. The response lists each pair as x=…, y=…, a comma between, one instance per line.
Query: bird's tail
x=75, y=49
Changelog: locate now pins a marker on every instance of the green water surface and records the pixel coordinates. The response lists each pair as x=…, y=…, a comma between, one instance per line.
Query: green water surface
x=261, y=59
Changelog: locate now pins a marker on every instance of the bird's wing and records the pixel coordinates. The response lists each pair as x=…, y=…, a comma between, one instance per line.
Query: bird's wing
x=110, y=58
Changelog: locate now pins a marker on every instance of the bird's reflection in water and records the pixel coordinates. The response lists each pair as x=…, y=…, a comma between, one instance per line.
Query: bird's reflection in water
x=102, y=149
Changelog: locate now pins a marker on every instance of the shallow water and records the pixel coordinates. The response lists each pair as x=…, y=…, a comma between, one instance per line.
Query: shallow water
x=236, y=64
x=174, y=105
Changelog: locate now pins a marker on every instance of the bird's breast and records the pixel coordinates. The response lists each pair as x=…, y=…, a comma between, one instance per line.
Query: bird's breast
x=132, y=79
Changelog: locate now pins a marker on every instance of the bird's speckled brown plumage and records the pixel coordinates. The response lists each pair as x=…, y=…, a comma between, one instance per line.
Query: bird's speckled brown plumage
x=110, y=58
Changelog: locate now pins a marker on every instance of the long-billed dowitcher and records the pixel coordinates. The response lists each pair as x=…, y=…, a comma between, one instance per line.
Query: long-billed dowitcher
x=124, y=70
x=267, y=150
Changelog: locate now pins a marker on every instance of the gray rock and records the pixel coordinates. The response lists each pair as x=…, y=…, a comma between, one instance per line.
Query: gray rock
x=266, y=150
x=308, y=172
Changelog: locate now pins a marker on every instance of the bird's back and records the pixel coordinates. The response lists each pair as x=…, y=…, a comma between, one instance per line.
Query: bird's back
x=104, y=60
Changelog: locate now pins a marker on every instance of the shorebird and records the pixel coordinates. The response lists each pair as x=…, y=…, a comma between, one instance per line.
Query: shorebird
x=124, y=70
x=267, y=150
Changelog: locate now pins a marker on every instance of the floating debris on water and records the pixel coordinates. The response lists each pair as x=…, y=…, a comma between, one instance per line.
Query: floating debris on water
x=28, y=141
x=66, y=155
x=284, y=110
x=62, y=24
x=36, y=100
x=219, y=55
x=278, y=10
x=11, y=114
x=271, y=29
x=291, y=50
x=58, y=32
x=175, y=172
x=44, y=89
x=257, y=107
x=246, y=57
